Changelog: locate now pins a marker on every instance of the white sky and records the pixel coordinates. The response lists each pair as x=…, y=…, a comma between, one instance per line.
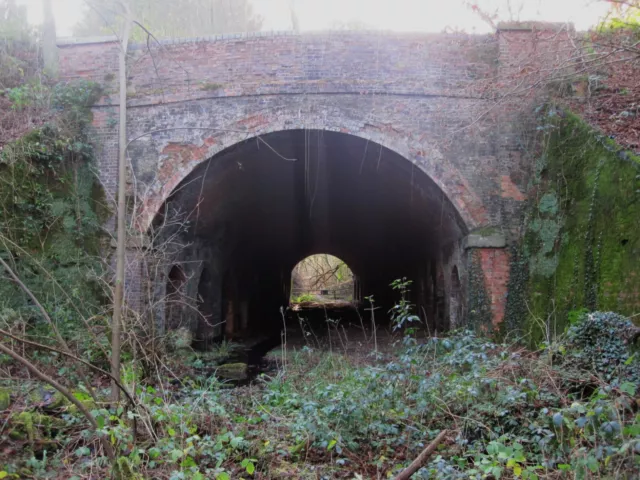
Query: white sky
x=399, y=15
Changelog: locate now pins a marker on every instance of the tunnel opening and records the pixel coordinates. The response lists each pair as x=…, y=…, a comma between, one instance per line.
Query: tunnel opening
x=247, y=216
x=321, y=280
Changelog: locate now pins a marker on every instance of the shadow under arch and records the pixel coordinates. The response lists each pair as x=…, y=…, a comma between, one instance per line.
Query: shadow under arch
x=250, y=213
x=219, y=142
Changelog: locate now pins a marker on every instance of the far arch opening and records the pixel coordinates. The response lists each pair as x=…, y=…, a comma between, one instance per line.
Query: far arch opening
x=322, y=280
x=252, y=211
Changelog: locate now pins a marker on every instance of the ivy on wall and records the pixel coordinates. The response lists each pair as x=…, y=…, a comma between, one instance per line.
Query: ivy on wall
x=581, y=246
x=52, y=209
x=478, y=301
x=517, y=292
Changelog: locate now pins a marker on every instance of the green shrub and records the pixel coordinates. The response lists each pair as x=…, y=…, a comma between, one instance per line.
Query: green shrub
x=305, y=297
x=604, y=342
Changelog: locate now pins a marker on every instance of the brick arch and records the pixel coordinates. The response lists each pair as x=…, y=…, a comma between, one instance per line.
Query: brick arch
x=180, y=159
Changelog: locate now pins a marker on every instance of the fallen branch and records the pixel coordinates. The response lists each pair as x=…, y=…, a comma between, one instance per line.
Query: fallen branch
x=419, y=461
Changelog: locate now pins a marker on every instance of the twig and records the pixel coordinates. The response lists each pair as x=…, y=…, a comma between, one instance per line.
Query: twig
x=153, y=60
x=283, y=337
x=72, y=302
x=73, y=357
x=44, y=313
x=161, y=46
x=419, y=461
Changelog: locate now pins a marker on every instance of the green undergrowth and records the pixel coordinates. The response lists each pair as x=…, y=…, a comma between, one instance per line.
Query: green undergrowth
x=581, y=245
x=511, y=414
x=51, y=212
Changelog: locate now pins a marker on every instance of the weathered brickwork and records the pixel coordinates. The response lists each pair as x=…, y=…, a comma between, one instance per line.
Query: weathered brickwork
x=495, y=266
x=455, y=106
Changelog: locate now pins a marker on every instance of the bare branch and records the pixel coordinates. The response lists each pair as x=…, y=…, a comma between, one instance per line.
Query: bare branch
x=71, y=356
x=66, y=393
x=44, y=313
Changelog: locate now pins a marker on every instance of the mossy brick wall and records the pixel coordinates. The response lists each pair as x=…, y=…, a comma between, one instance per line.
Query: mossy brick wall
x=581, y=246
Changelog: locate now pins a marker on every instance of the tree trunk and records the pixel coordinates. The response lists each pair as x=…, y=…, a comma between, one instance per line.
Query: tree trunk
x=118, y=298
x=295, y=23
x=49, y=46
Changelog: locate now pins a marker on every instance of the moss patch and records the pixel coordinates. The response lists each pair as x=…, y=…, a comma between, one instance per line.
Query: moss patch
x=48, y=399
x=232, y=371
x=210, y=86
x=34, y=426
x=582, y=235
x=5, y=398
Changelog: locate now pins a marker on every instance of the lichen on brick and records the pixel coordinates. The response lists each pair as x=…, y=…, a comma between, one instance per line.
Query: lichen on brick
x=582, y=236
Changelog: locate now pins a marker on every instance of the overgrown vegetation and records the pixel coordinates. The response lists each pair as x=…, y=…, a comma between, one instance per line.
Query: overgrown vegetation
x=20, y=64
x=52, y=213
x=569, y=411
x=513, y=414
x=176, y=18
x=606, y=344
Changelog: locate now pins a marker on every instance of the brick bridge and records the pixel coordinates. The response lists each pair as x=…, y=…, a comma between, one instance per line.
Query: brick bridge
x=402, y=154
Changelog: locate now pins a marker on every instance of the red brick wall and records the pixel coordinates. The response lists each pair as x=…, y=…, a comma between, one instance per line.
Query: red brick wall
x=495, y=267
x=96, y=61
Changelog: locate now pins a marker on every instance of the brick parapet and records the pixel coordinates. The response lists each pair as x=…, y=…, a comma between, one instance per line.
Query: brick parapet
x=393, y=64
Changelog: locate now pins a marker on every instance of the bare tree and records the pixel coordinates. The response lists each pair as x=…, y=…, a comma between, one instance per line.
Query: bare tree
x=118, y=299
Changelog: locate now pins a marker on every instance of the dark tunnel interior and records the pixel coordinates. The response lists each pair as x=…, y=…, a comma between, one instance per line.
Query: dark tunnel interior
x=254, y=210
